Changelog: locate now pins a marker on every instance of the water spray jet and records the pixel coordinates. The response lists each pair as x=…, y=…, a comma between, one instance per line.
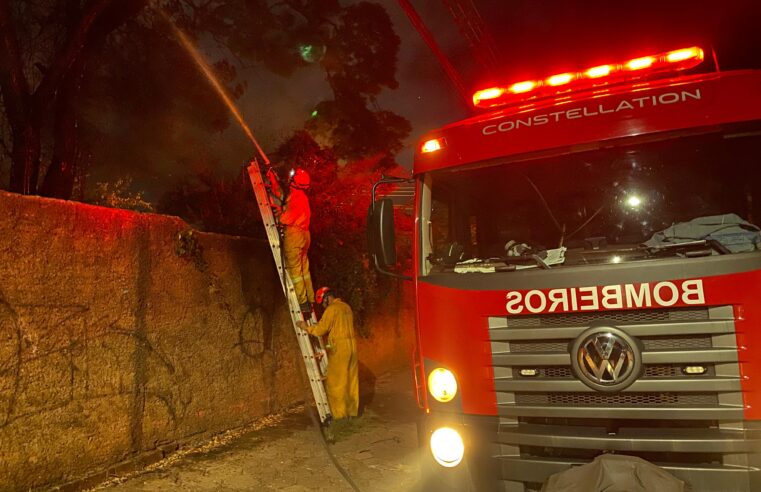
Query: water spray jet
x=206, y=69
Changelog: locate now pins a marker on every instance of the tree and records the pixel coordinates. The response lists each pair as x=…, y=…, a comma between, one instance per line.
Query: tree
x=87, y=77
x=356, y=46
x=360, y=62
x=67, y=65
x=353, y=131
x=223, y=204
x=118, y=195
x=48, y=75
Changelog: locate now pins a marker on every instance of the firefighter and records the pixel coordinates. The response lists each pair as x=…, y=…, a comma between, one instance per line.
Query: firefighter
x=342, y=382
x=294, y=220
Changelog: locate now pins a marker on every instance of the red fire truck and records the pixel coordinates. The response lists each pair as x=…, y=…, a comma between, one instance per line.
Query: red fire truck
x=587, y=276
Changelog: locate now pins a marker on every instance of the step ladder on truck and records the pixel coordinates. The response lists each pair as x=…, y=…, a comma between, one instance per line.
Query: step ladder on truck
x=312, y=350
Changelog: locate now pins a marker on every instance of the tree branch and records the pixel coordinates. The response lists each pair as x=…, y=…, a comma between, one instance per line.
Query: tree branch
x=68, y=54
x=13, y=83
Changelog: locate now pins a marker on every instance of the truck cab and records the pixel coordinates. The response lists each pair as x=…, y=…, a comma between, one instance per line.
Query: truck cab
x=587, y=277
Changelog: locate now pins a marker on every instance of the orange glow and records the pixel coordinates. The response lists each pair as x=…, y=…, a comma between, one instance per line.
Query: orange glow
x=693, y=53
x=522, y=87
x=601, y=71
x=486, y=94
x=560, y=79
x=432, y=145
x=640, y=63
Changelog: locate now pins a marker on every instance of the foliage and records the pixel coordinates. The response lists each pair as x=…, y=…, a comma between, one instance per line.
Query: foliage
x=360, y=62
x=107, y=79
x=117, y=194
x=361, y=56
x=215, y=204
x=45, y=49
x=354, y=131
x=189, y=248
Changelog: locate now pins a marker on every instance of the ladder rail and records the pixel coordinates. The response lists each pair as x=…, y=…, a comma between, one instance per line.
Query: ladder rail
x=275, y=242
x=316, y=366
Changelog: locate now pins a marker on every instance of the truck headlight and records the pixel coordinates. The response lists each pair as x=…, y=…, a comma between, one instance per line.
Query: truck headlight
x=442, y=384
x=447, y=447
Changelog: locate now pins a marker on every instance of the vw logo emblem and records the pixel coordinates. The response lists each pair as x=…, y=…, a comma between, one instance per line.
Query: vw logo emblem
x=606, y=359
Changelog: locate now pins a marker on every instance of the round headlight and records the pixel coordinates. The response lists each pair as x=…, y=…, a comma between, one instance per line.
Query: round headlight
x=447, y=447
x=442, y=384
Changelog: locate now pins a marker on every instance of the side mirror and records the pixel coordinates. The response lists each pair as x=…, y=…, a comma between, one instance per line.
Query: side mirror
x=381, y=236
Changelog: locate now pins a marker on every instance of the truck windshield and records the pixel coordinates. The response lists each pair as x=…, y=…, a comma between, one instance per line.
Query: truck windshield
x=619, y=204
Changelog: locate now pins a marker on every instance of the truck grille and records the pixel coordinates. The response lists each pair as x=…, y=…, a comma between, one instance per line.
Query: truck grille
x=618, y=317
x=538, y=397
x=651, y=371
x=622, y=399
x=650, y=343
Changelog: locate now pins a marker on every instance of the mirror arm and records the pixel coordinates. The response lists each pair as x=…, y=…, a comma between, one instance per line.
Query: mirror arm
x=388, y=180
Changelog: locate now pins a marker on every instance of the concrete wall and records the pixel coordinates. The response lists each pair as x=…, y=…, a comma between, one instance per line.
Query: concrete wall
x=112, y=345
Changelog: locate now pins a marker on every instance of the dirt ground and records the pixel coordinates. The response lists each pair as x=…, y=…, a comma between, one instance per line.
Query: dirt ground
x=378, y=450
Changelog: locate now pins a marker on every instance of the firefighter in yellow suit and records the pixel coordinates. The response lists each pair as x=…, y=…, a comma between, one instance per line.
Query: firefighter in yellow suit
x=295, y=222
x=342, y=382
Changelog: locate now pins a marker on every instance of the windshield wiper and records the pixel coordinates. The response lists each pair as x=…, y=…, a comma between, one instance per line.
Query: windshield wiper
x=504, y=264
x=482, y=265
x=530, y=259
x=691, y=249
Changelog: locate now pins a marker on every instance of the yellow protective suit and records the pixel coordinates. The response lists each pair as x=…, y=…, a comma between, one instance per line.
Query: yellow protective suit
x=296, y=240
x=342, y=383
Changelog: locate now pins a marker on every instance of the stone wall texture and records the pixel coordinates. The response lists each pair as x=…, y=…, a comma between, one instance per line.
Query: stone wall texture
x=113, y=345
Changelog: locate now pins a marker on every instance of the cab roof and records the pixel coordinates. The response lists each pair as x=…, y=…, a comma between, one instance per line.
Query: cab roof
x=592, y=118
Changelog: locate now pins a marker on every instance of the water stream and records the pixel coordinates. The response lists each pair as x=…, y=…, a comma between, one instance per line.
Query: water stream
x=206, y=69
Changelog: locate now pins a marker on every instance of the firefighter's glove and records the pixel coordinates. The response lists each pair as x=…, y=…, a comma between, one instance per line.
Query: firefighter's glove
x=301, y=325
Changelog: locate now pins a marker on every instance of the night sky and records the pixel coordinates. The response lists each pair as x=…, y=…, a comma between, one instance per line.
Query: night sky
x=546, y=36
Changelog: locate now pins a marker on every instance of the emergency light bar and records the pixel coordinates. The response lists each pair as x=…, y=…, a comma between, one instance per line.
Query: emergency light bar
x=671, y=61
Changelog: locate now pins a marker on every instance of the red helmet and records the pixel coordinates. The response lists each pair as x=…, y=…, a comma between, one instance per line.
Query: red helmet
x=300, y=179
x=319, y=296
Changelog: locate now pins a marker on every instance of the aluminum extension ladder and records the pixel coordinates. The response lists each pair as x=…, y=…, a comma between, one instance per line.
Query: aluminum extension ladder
x=314, y=355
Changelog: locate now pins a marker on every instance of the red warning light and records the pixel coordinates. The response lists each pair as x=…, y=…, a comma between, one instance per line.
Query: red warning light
x=487, y=95
x=693, y=54
x=601, y=71
x=640, y=63
x=522, y=87
x=432, y=145
x=670, y=61
x=560, y=79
